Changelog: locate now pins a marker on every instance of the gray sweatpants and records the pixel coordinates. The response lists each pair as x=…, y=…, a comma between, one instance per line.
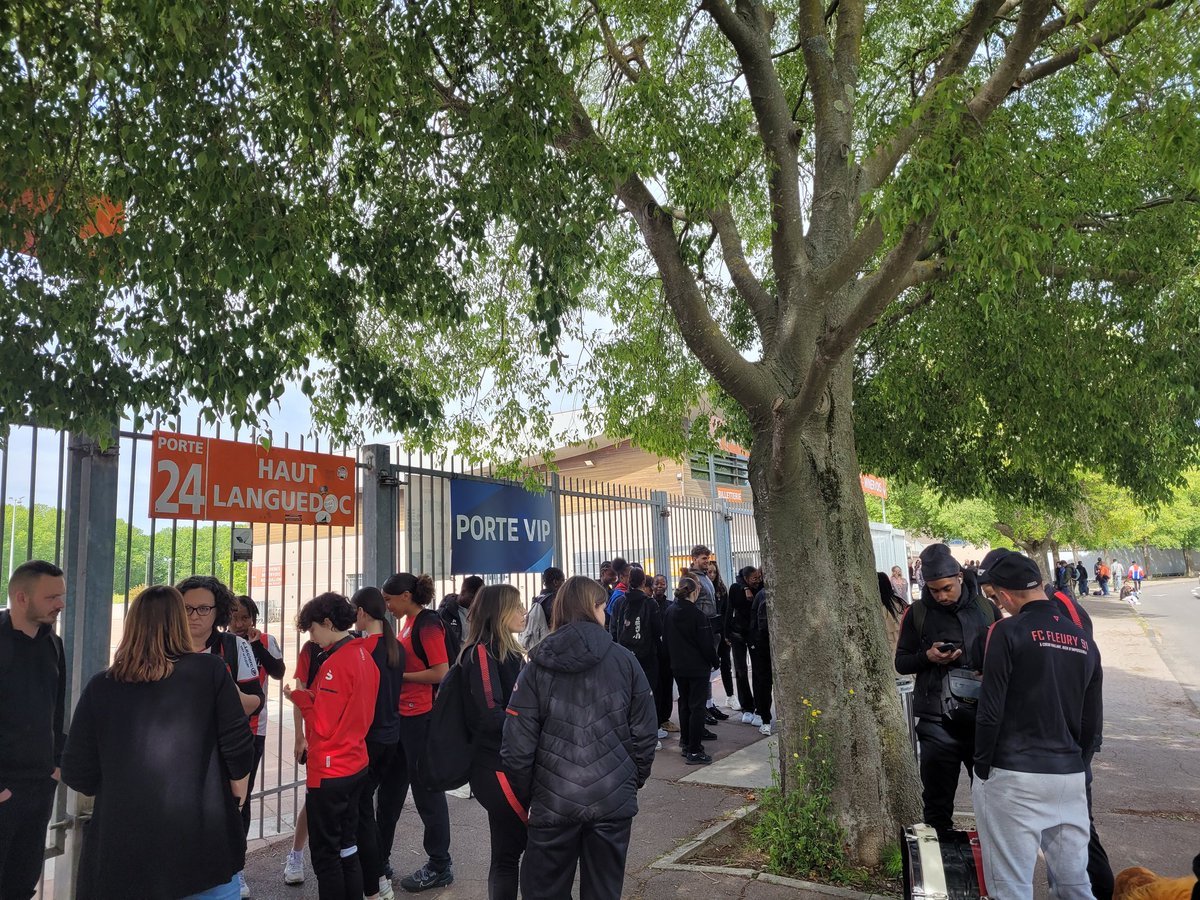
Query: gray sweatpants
x=1018, y=812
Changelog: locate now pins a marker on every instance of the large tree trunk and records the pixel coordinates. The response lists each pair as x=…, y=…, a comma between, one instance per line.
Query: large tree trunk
x=827, y=633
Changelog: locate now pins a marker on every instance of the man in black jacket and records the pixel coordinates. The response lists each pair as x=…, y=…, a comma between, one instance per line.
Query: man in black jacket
x=33, y=686
x=1038, y=712
x=693, y=656
x=1099, y=867
x=943, y=630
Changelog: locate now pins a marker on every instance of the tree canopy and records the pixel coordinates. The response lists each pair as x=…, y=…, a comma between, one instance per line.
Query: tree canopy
x=963, y=228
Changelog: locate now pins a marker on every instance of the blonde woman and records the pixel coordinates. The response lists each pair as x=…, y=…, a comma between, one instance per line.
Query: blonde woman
x=491, y=659
x=156, y=739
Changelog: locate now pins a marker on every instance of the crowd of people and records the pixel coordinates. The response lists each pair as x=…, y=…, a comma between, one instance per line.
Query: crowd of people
x=557, y=715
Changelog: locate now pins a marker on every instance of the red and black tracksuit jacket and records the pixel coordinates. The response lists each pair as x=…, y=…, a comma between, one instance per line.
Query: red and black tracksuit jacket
x=338, y=709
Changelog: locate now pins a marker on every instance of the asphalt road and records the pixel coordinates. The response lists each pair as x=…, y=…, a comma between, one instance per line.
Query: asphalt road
x=1171, y=607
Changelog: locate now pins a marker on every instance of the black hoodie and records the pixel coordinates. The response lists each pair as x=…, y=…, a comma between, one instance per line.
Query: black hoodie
x=962, y=624
x=581, y=728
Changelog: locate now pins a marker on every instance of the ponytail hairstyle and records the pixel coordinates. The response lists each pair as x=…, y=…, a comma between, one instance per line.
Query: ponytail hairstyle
x=637, y=578
x=369, y=600
x=420, y=587
x=686, y=587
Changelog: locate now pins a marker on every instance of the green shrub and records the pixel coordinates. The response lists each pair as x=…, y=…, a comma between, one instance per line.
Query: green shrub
x=796, y=829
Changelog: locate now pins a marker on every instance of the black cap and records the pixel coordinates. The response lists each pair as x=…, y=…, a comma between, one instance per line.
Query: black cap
x=399, y=583
x=1015, y=572
x=936, y=562
x=985, y=564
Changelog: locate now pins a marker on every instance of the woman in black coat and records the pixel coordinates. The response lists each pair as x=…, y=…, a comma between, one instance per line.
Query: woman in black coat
x=693, y=657
x=578, y=743
x=161, y=741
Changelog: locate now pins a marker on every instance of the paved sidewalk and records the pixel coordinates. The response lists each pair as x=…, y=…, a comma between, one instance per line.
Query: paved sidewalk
x=1147, y=790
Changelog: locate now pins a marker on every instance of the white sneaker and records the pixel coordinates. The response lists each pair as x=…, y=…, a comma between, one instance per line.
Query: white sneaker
x=385, y=889
x=734, y=705
x=662, y=734
x=658, y=746
x=243, y=887
x=756, y=721
x=293, y=867
x=765, y=729
x=462, y=793
x=747, y=718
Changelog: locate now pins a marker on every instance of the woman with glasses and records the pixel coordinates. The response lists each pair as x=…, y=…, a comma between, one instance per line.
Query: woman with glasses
x=210, y=606
x=578, y=744
x=160, y=740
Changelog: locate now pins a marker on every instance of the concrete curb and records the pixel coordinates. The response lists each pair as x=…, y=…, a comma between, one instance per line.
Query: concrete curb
x=673, y=861
x=1155, y=640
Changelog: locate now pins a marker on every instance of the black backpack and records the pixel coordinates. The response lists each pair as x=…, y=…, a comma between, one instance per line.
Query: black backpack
x=633, y=627
x=446, y=761
x=453, y=644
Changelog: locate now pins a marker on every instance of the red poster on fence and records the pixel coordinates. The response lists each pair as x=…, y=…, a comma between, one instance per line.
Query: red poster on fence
x=228, y=481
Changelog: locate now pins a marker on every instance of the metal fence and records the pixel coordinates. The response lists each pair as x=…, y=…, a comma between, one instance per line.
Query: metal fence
x=403, y=524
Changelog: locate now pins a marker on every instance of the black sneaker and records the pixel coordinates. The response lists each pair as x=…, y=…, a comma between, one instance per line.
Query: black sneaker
x=714, y=711
x=426, y=879
x=698, y=759
x=710, y=720
x=708, y=735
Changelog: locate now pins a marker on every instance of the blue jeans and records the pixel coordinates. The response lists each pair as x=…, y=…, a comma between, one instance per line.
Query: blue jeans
x=230, y=891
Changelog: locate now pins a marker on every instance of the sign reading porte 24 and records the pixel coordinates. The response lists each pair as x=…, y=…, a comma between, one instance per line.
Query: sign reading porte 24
x=229, y=481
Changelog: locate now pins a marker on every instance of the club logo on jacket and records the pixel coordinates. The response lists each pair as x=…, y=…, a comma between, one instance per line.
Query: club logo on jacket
x=329, y=674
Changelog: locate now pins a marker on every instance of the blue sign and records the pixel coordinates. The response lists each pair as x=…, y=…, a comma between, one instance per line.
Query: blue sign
x=499, y=528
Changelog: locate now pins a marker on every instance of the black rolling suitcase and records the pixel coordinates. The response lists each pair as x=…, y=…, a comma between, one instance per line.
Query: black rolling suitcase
x=946, y=868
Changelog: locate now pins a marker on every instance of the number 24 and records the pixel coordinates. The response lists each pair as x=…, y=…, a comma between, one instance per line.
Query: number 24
x=190, y=494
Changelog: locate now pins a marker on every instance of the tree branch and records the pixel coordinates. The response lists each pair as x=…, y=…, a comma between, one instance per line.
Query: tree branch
x=868, y=299
x=1093, y=43
x=879, y=164
x=1054, y=26
x=740, y=378
x=854, y=257
x=620, y=60
x=1024, y=41
x=748, y=31
x=749, y=288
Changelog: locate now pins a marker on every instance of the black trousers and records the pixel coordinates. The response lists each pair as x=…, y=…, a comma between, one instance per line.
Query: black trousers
x=399, y=778
x=664, y=692
x=260, y=747
x=599, y=849
x=1099, y=869
x=726, y=665
x=380, y=758
x=944, y=751
x=741, y=672
x=333, y=837
x=506, y=823
x=763, y=680
x=693, y=696
x=23, y=820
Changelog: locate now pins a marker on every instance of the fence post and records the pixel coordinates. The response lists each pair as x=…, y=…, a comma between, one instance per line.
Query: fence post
x=555, y=492
x=378, y=515
x=89, y=559
x=723, y=538
x=662, y=535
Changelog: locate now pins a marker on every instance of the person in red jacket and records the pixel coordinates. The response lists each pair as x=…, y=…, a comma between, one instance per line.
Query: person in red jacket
x=338, y=710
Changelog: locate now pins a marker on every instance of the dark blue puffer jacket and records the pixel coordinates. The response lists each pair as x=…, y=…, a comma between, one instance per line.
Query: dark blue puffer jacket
x=581, y=727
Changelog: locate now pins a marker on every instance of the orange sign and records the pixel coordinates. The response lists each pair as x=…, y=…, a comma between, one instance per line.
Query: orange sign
x=228, y=481
x=874, y=485
x=730, y=493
